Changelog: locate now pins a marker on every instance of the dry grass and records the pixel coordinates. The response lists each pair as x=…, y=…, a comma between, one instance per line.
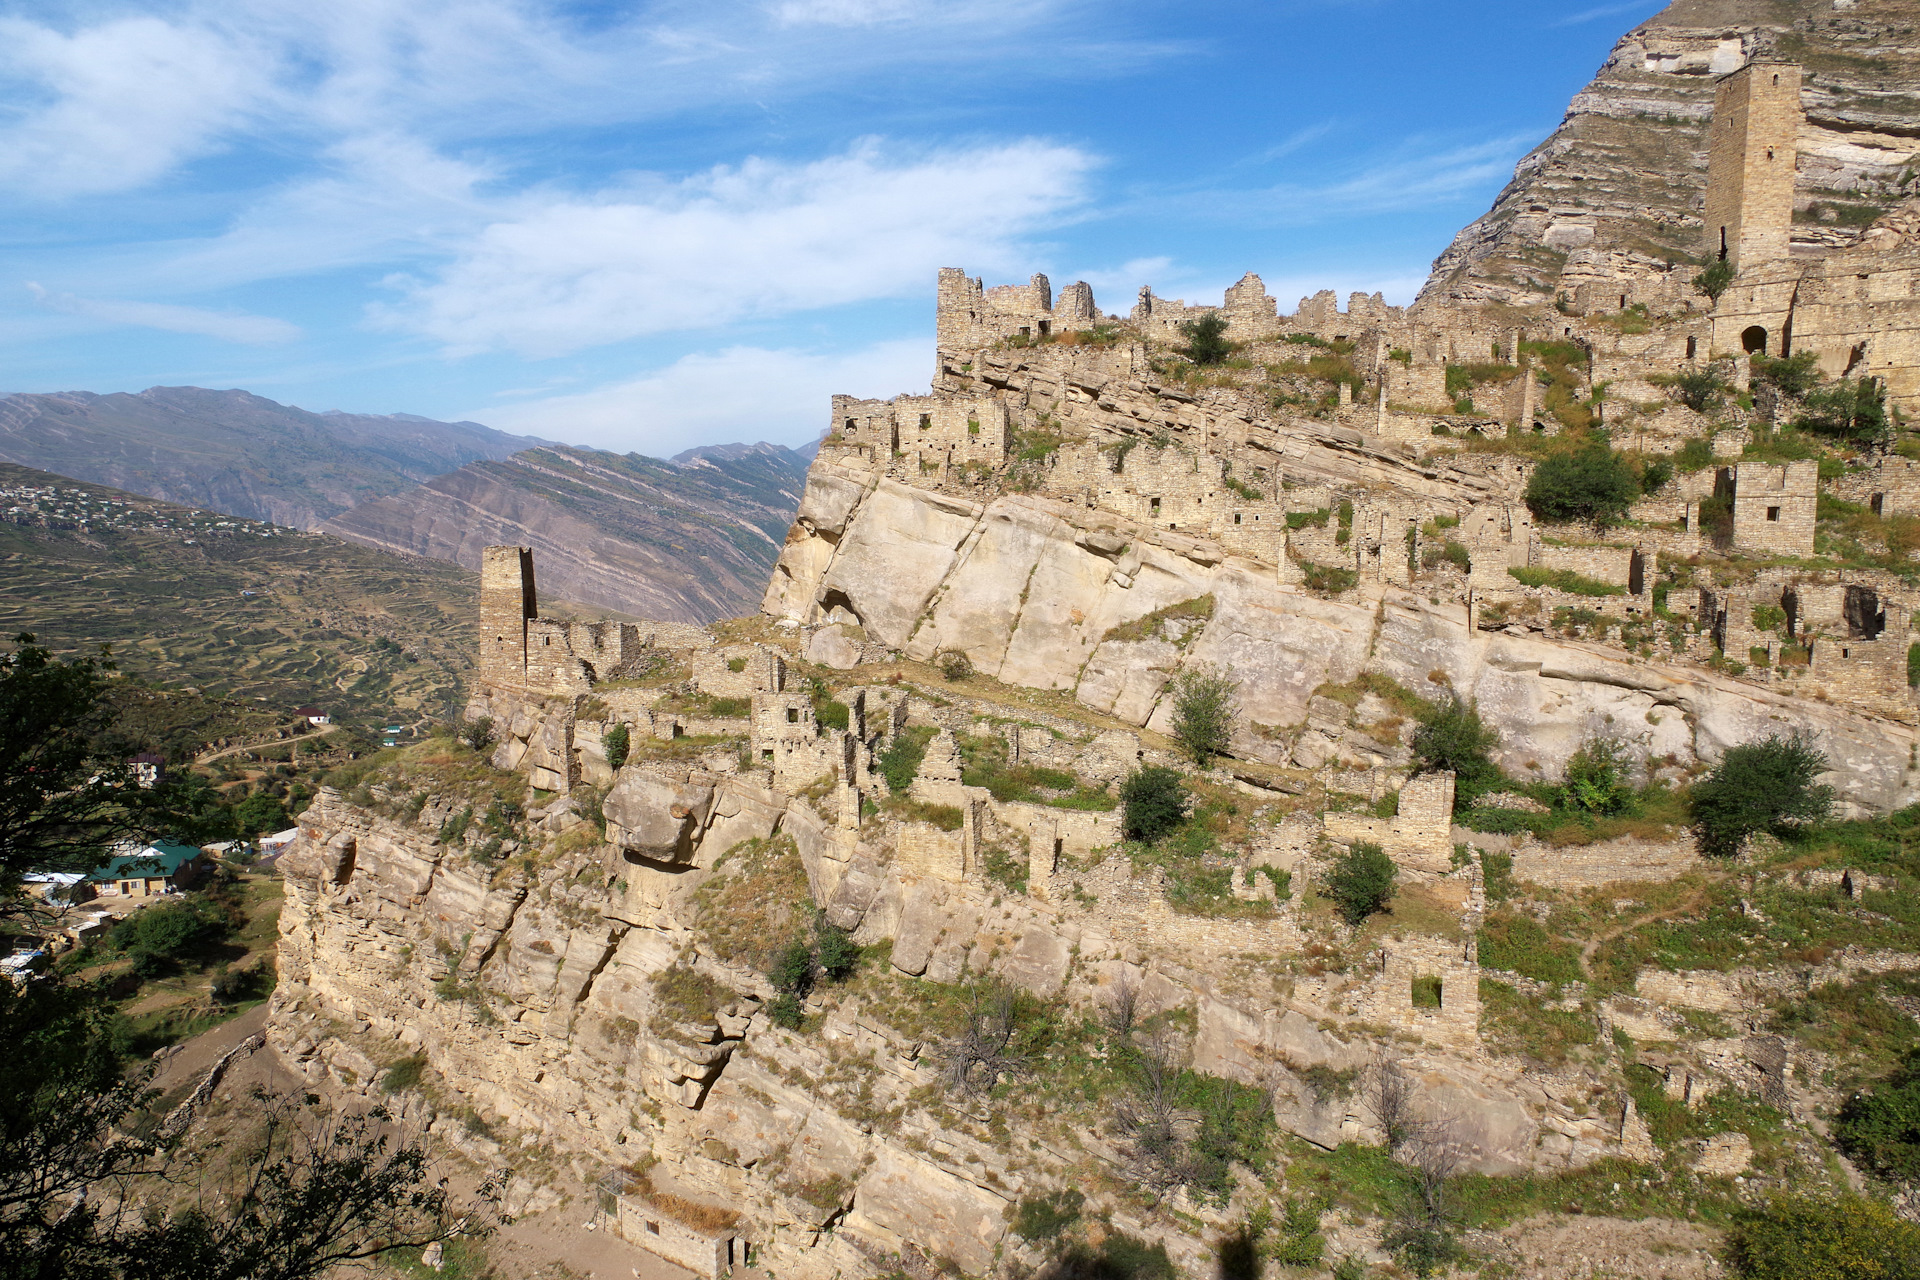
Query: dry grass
x=691, y=1213
x=750, y=911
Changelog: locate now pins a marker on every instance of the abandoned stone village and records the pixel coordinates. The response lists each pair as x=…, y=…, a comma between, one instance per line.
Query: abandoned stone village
x=974, y=634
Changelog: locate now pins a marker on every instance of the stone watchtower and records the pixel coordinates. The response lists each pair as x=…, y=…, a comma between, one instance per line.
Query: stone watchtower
x=1750, y=164
x=507, y=601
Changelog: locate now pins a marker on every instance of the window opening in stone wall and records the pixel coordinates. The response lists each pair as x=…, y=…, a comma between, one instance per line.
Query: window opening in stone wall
x=1693, y=347
x=1769, y=153
x=1879, y=504
x=926, y=421
x=1846, y=653
x=1773, y=513
x=679, y=730
x=1153, y=506
x=1723, y=250
x=1046, y=327
x=793, y=715
x=653, y=1228
x=1754, y=339
x=1025, y=332
x=1426, y=993
x=766, y=753
x=1236, y=517
x=850, y=427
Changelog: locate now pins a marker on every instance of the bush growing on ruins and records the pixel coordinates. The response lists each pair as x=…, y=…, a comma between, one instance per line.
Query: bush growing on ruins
x=1695, y=455
x=1452, y=736
x=1589, y=484
x=618, y=742
x=1699, y=389
x=1793, y=375
x=477, y=733
x=900, y=762
x=1153, y=803
x=1759, y=786
x=1655, y=474
x=1206, y=339
x=1713, y=281
x=1880, y=1129
x=1597, y=777
x=1360, y=882
x=1854, y=409
x=955, y=665
x=1205, y=708
x=1801, y=1238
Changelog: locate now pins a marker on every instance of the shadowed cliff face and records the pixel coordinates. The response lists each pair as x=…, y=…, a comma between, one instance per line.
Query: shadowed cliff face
x=1618, y=186
x=637, y=535
x=238, y=453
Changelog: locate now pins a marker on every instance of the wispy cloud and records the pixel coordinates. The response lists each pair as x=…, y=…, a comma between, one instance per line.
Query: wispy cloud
x=740, y=393
x=225, y=325
x=1605, y=11
x=753, y=240
x=1413, y=175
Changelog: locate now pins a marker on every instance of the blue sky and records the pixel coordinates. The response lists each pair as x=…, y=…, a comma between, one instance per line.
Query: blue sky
x=649, y=225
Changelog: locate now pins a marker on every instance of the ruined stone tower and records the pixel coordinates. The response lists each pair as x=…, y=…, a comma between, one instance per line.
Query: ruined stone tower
x=1750, y=164
x=507, y=601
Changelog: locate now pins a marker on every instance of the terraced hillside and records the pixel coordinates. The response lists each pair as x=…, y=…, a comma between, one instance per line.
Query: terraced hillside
x=232, y=607
x=689, y=541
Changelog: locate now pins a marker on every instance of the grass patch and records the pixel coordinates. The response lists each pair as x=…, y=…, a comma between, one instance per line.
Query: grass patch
x=1564, y=580
x=1199, y=608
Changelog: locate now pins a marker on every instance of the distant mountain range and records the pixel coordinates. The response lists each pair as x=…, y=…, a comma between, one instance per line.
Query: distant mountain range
x=689, y=539
x=236, y=452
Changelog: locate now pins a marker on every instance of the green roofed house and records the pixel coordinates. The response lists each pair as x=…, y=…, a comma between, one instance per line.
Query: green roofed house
x=147, y=870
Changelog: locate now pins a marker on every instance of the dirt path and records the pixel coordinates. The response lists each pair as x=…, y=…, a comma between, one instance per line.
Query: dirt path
x=1587, y=951
x=211, y=756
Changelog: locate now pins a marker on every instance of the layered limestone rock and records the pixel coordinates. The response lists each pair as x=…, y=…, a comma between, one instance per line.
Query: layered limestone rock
x=1030, y=588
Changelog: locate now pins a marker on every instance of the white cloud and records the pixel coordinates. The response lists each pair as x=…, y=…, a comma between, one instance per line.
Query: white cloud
x=845, y=13
x=737, y=394
x=225, y=325
x=762, y=238
x=114, y=106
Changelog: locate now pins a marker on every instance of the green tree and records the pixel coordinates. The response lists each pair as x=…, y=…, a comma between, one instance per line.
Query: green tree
x=1880, y=1129
x=1701, y=388
x=1852, y=408
x=1360, y=882
x=616, y=741
x=1793, y=375
x=1713, y=281
x=1655, y=474
x=1206, y=339
x=834, y=949
x=1452, y=737
x=478, y=732
x=65, y=795
x=1205, y=709
x=1152, y=803
x=1592, y=483
x=261, y=811
x=1597, y=777
x=1759, y=786
x=161, y=935
x=1801, y=1238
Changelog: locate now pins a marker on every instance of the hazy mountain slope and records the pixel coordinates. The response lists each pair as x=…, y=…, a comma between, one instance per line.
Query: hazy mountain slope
x=634, y=534
x=1623, y=176
x=237, y=452
x=232, y=607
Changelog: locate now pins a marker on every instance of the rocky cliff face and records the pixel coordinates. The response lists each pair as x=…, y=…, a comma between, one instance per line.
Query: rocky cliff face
x=1033, y=590
x=686, y=543
x=1616, y=189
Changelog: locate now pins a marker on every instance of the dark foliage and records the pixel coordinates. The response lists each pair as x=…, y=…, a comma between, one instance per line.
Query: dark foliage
x=1206, y=339
x=1713, y=281
x=1153, y=803
x=1880, y=1129
x=1452, y=736
x=1360, y=882
x=617, y=742
x=1593, y=483
x=1759, y=786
